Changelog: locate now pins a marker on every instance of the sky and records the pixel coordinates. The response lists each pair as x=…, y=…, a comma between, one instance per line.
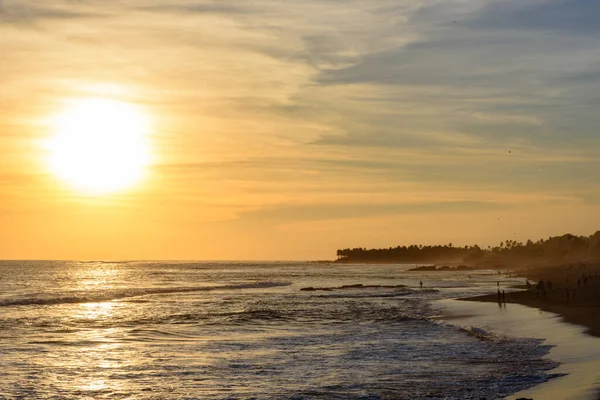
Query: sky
x=289, y=129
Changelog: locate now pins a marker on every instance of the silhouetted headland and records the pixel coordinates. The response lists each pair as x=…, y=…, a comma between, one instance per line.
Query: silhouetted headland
x=510, y=254
x=560, y=274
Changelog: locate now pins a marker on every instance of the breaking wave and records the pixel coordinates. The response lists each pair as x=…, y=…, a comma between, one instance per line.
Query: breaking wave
x=117, y=294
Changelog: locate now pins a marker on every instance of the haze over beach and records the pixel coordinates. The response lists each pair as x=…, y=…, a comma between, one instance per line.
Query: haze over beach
x=385, y=160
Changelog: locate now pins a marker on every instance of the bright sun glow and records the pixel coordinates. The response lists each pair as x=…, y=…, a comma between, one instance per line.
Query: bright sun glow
x=99, y=145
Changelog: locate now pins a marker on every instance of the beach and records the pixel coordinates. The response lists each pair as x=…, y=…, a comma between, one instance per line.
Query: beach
x=578, y=354
x=570, y=323
x=580, y=306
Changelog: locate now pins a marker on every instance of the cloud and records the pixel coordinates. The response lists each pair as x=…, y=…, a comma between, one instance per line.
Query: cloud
x=223, y=8
x=528, y=68
x=323, y=212
x=269, y=103
x=19, y=13
x=571, y=17
x=592, y=198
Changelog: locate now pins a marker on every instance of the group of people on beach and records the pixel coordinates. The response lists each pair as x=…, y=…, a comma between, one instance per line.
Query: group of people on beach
x=570, y=293
x=585, y=278
x=582, y=280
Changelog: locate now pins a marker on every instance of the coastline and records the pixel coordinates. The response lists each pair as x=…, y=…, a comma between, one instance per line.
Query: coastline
x=577, y=353
x=573, y=294
x=564, y=314
x=583, y=315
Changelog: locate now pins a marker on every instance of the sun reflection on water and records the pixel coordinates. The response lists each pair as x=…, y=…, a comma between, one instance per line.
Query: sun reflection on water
x=100, y=367
x=100, y=276
x=95, y=310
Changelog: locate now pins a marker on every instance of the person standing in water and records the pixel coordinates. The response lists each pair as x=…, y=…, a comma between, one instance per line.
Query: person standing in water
x=421, y=284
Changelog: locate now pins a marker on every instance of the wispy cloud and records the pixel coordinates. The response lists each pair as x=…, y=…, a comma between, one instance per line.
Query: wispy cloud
x=22, y=13
x=570, y=17
x=314, y=109
x=330, y=212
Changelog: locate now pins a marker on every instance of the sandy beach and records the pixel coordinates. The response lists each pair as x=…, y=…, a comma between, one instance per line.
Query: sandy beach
x=571, y=291
x=578, y=353
x=564, y=311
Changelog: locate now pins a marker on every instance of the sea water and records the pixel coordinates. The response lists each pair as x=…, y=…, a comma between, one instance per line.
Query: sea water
x=246, y=330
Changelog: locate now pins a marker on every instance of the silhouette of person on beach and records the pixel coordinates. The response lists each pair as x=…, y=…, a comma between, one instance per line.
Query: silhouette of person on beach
x=541, y=288
x=499, y=296
x=421, y=284
x=503, y=297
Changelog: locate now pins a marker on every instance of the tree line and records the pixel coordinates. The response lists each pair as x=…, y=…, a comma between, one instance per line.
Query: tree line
x=565, y=248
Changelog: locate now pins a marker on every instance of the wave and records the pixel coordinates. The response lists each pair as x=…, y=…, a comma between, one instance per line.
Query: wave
x=361, y=295
x=477, y=332
x=117, y=294
x=266, y=315
x=74, y=343
x=397, y=292
x=354, y=286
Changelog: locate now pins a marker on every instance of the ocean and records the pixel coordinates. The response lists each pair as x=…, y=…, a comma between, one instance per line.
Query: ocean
x=246, y=330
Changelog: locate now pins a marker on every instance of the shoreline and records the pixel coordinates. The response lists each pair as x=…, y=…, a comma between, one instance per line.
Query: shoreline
x=572, y=292
x=572, y=300
x=584, y=316
x=577, y=353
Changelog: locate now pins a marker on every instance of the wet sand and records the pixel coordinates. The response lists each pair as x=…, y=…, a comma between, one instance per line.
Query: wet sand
x=574, y=293
x=574, y=298
x=577, y=352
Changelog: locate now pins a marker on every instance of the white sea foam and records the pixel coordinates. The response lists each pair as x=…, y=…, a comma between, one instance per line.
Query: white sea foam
x=95, y=296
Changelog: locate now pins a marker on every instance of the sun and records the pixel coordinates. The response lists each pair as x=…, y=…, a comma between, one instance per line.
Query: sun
x=99, y=145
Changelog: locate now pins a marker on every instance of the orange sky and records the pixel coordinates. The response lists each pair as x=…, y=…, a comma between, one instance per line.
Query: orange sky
x=287, y=130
